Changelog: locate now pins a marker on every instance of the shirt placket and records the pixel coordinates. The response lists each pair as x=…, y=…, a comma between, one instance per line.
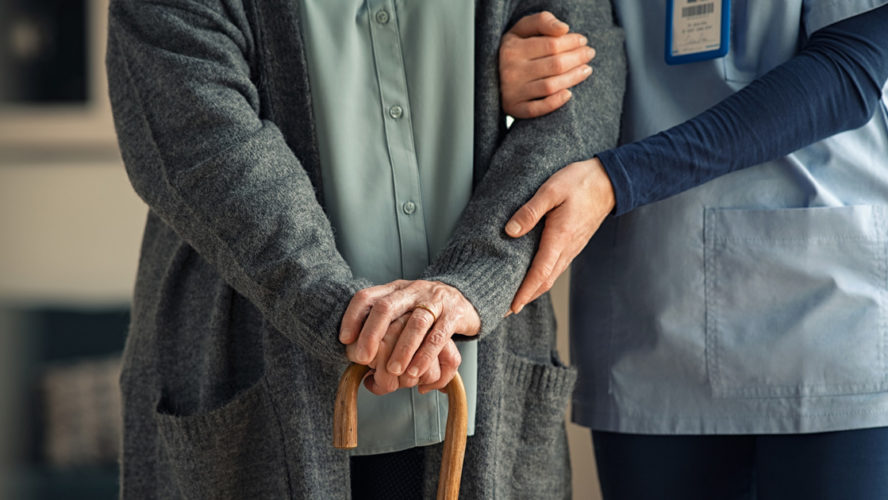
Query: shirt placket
x=395, y=107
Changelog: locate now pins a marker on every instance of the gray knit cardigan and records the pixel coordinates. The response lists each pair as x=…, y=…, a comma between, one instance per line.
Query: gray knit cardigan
x=232, y=358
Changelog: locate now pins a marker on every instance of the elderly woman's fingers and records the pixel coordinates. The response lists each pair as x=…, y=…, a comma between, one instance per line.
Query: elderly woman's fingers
x=441, y=310
x=382, y=381
x=359, y=307
x=432, y=297
x=448, y=362
x=421, y=320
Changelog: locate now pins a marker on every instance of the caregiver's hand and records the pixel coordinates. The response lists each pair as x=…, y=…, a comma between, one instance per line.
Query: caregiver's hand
x=538, y=62
x=434, y=312
x=575, y=201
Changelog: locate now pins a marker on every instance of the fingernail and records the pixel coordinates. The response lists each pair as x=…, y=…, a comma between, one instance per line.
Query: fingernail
x=413, y=372
x=590, y=52
x=361, y=355
x=587, y=70
x=509, y=313
x=519, y=309
x=395, y=368
x=343, y=336
x=558, y=24
x=583, y=40
x=513, y=228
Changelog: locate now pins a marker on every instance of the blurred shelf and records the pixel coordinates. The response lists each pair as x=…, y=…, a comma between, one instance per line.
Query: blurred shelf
x=56, y=410
x=46, y=483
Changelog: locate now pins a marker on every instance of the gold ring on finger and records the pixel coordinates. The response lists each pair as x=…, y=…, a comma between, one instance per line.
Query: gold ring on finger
x=429, y=309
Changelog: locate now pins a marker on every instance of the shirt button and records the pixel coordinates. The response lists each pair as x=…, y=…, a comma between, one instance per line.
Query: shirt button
x=382, y=17
x=396, y=111
x=409, y=208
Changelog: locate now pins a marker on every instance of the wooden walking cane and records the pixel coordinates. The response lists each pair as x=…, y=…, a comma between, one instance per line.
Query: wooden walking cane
x=345, y=426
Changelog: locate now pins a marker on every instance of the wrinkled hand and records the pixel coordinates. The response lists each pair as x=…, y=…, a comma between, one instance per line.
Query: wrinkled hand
x=538, y=62
x=380, y=381
x=575, y=201
x=404, y=326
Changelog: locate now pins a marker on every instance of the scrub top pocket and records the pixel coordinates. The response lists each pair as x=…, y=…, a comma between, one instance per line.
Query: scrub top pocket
x=795, y=301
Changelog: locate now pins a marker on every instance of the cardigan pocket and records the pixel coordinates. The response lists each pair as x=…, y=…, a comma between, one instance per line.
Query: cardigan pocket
x=795, y=301
x=235, y=451
x=533, y=461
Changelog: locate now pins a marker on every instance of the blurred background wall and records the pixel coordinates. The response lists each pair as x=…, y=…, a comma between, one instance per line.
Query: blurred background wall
x=70, y=228
x=69, y=237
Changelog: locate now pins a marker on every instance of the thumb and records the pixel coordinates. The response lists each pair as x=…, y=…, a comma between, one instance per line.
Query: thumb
x=541, y=23
x=529, y=215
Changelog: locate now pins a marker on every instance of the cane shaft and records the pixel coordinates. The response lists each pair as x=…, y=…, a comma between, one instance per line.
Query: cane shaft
x=345, y=426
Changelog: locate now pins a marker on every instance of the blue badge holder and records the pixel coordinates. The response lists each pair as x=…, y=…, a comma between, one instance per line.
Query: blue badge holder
x=721, y=51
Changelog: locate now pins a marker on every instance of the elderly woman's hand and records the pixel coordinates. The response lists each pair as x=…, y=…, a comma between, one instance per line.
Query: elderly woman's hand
x=380, y=381
x=403, y=327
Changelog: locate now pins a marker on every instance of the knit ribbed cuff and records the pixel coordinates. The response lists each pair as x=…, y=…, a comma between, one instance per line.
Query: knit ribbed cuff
x=482, y=281
x=316, y=318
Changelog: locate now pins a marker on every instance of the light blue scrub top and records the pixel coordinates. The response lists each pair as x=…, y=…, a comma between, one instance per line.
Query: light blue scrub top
x=392, y=85
x=755, y=303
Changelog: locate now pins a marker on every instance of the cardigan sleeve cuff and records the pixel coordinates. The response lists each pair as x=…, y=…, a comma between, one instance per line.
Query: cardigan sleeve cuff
x=480, y=281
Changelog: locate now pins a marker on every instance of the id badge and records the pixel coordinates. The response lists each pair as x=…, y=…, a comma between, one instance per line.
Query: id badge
x=697, y=30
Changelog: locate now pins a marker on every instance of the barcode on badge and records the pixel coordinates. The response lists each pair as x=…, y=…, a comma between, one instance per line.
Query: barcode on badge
x=698, y=10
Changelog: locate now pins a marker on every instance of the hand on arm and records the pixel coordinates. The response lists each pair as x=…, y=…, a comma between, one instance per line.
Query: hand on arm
x=480, y=259
x=538, y=62
x=836, y=77
x=833, y=84
x=404, y=330
x=574, y=201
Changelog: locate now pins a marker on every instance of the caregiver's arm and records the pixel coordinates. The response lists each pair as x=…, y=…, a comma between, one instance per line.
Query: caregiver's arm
x=833, y=84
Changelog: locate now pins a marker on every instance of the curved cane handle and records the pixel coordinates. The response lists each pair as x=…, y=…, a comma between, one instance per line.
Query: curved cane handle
x=345, y=426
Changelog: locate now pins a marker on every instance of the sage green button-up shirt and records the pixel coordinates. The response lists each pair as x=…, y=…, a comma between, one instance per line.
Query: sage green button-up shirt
x=392, y=92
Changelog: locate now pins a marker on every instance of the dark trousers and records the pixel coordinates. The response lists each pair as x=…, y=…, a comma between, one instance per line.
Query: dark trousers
x=846, y=465
x=389, y=476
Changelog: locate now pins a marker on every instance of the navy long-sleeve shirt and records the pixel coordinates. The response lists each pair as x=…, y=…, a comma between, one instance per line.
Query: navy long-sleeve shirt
x=833, y=84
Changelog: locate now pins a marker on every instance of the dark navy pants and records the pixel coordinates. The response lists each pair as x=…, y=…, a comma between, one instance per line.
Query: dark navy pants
x=846, y=465
x=389, y=476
